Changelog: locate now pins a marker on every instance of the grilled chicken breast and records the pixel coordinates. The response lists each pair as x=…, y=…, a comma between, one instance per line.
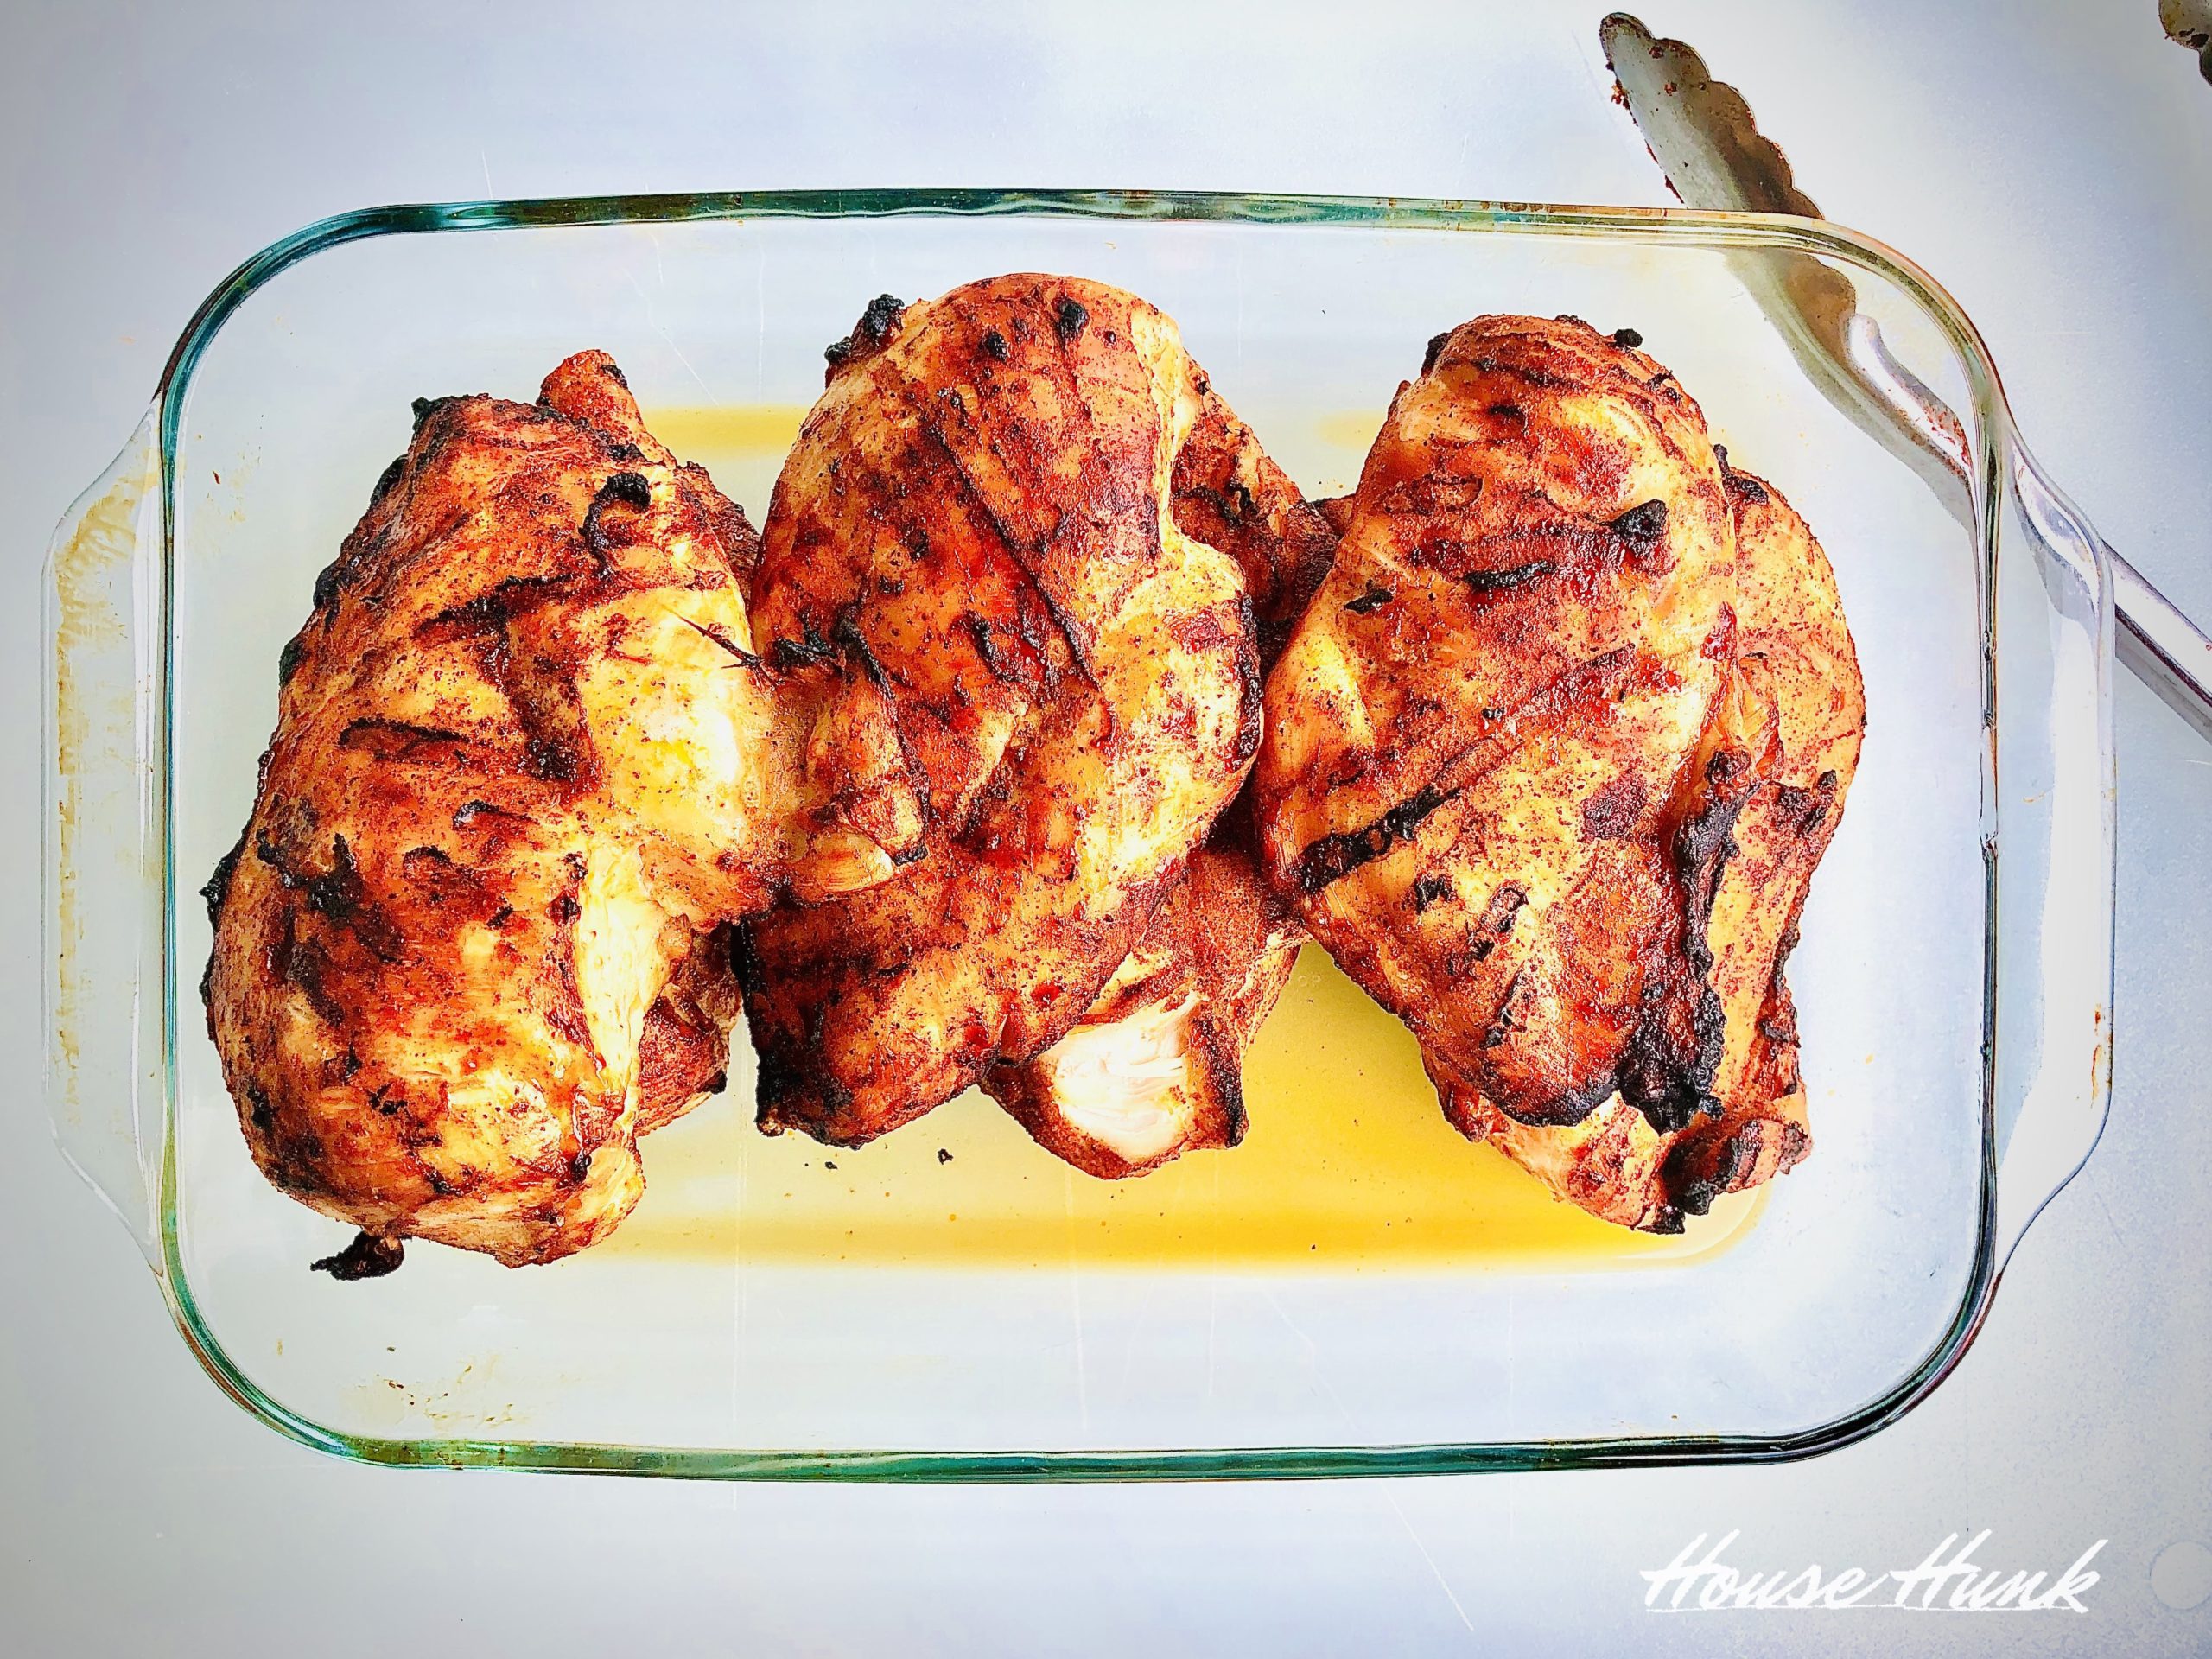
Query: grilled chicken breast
x=1155, y=1068
x=526, y=767
x=1509, y=743
x=1798, y=716
x=1048, y=676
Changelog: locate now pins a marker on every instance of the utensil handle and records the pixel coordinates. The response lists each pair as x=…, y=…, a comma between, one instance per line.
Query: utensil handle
x=102, y=829
x=2161, y=647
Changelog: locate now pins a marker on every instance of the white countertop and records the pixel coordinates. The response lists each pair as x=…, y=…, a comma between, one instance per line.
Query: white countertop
x=2051, y=163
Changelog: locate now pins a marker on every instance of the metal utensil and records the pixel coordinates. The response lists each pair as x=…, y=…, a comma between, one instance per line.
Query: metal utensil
x=1704, y=136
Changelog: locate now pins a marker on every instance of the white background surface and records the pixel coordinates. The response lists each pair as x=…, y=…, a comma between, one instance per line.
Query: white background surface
x=2050, y=162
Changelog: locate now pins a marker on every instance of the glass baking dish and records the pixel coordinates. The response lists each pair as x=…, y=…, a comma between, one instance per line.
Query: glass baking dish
x=1356, y=1291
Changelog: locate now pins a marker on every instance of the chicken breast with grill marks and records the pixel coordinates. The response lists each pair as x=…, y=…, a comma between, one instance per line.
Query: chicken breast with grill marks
x=1483, y=733
x=1525, y=769
x=1156, y=1066
x=1799, y=714
x=527, y=769
x=977, y=519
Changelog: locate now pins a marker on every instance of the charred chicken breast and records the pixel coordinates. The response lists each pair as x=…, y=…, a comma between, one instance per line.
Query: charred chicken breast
x=1798, y=716
x=1048, y=680
x=1508, y=742
x=526, y=767
x=1155, y=1067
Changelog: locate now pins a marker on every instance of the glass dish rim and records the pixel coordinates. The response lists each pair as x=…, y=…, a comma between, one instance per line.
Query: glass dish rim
x=1692, y=228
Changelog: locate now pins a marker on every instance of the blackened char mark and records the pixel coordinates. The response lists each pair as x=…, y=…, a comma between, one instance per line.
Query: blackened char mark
x=745, y=963
x=928, y=433
x=556, y=759
x=1807, y=808
x=719, y=636
x=1666, y=1072
x=1702, y=846
x=628, y=489
x=807, y=651
x=1667, y=1080
x=307, y=965
x=1642, y=526
x=488, y=612
x=1627, y=337
x=287, y=660
x=1512, y=577
x=1373, y=600
x=1069, y=317
x=340, y=895
x=1436, y=343
x=1695, y=1197
x=1251, y=683
x=1741, y=483
x=1504, y=904
x=217, y=886
x=1335, y=856
x=1002, y=666
x=385, y=480
x=869, y=336
x=217, y=890
x=367, y=1258
x=1224, y=1070
x=1428, y=890
x=260, y=1111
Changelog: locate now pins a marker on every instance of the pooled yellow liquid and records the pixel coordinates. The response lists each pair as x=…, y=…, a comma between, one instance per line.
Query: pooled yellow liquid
x=710, y=432
x=1347, y=1163
x=1347, y=1166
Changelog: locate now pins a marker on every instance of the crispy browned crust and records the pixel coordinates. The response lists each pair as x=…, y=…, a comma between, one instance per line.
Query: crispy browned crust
x=1229, y=494
x=1552, y=761
x=1207, y=970
x=683, y=1051
x=1484, y=734
x=523, y=769
x=1203, y=977
x=1797, y=682
x=1061, y=685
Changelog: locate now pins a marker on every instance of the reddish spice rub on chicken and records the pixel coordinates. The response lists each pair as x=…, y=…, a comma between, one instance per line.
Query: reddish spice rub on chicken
x=1552, y=755
x=1023, y=510
x=527, y=768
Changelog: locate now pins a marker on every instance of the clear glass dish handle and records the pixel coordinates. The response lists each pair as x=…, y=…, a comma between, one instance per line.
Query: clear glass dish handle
x=2057, y=811
x=103, y=826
